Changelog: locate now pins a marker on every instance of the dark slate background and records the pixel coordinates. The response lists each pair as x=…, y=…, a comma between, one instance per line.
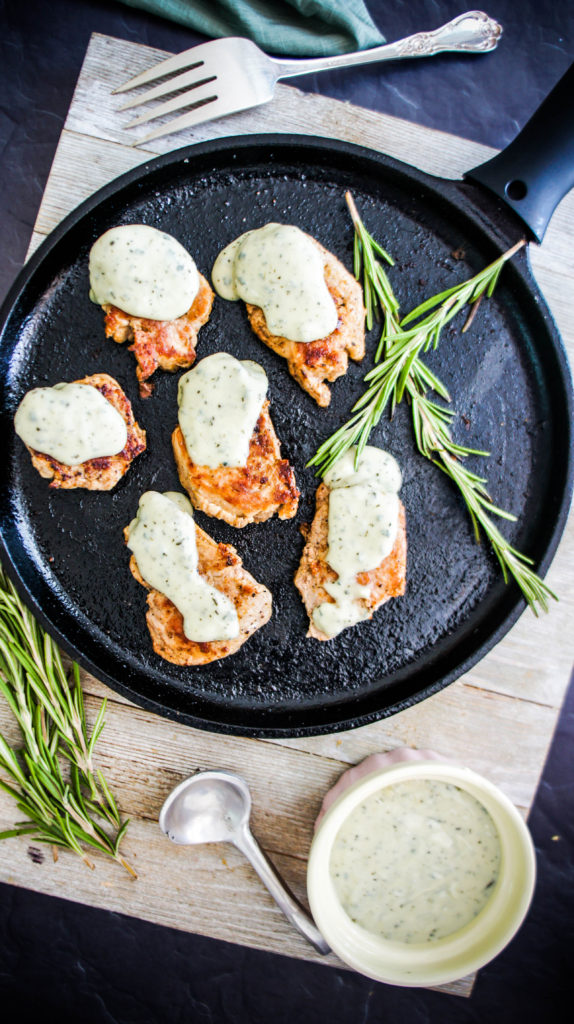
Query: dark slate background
x=63, y=962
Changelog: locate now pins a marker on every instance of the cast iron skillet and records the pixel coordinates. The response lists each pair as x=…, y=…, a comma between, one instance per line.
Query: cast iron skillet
x=508, y=376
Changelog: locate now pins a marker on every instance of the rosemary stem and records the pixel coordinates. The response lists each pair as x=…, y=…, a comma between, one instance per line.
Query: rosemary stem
x=48, y=707
x=399, y=370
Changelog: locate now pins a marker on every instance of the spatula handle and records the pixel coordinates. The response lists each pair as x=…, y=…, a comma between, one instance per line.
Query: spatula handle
x=536, y=170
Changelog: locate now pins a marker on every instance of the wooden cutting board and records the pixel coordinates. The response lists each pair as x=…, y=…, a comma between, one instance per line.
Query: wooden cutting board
x=498, y=719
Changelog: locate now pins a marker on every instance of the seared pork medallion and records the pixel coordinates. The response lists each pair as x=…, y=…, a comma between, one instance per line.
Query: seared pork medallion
x=226, y=450
x=301, y=302
x=354, y=558
x=152, y=295
x=80, y=434
x=202, y=604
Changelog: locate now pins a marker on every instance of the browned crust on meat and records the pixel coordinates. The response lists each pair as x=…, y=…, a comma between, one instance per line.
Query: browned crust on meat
x=244, y=494
x=96, y=474
x=221, y=566
x=314, y=362
x=168, y=344
x=386, y=581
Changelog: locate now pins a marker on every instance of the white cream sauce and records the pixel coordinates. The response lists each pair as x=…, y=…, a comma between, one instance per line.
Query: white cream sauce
x=416, y=861
x=363, y=521
x=162, y=539
x=143, y=271
x=71, y=422
x=220, y=401
x=279, y=268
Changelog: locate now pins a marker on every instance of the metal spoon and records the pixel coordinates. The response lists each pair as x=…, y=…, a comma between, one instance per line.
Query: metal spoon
x=214, y=807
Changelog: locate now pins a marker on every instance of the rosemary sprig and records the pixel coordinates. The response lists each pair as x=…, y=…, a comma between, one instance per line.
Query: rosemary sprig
x=66, y=809
x=401, y=370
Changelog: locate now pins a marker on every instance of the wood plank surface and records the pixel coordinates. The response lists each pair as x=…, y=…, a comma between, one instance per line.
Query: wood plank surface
x=498, y=719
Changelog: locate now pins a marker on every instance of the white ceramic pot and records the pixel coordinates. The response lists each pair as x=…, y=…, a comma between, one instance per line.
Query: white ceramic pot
x=458, y=954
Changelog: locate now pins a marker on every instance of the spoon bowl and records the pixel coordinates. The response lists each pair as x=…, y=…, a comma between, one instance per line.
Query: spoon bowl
x=210, y=807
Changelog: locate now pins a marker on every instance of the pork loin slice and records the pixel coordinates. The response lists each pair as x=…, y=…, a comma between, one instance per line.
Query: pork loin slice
x=243, y=494
x=386, y=581
x=103, y=473
x=312, y=363
x=167, y=344
x=221, y=566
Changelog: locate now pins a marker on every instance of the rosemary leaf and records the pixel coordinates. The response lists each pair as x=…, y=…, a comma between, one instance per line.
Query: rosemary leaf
x=48, y=706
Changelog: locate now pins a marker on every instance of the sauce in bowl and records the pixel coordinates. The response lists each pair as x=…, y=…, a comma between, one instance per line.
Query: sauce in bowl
x=420, y=871
x=416, y=861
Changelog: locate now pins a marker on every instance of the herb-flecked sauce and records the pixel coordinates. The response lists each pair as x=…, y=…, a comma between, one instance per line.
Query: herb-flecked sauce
x=219, y=404
x=71, y=422
x=363, y=521
x=416, y=861
x=143, y=271
x=162, y=539
x=279, y=268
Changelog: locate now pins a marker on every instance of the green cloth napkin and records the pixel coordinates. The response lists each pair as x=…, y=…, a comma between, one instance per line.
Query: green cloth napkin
x=293, y=27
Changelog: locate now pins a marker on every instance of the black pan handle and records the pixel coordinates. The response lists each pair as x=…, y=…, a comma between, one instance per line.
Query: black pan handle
x=536, y=170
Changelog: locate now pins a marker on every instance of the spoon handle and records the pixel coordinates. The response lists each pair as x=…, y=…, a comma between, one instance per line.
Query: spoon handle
x=294, y=912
